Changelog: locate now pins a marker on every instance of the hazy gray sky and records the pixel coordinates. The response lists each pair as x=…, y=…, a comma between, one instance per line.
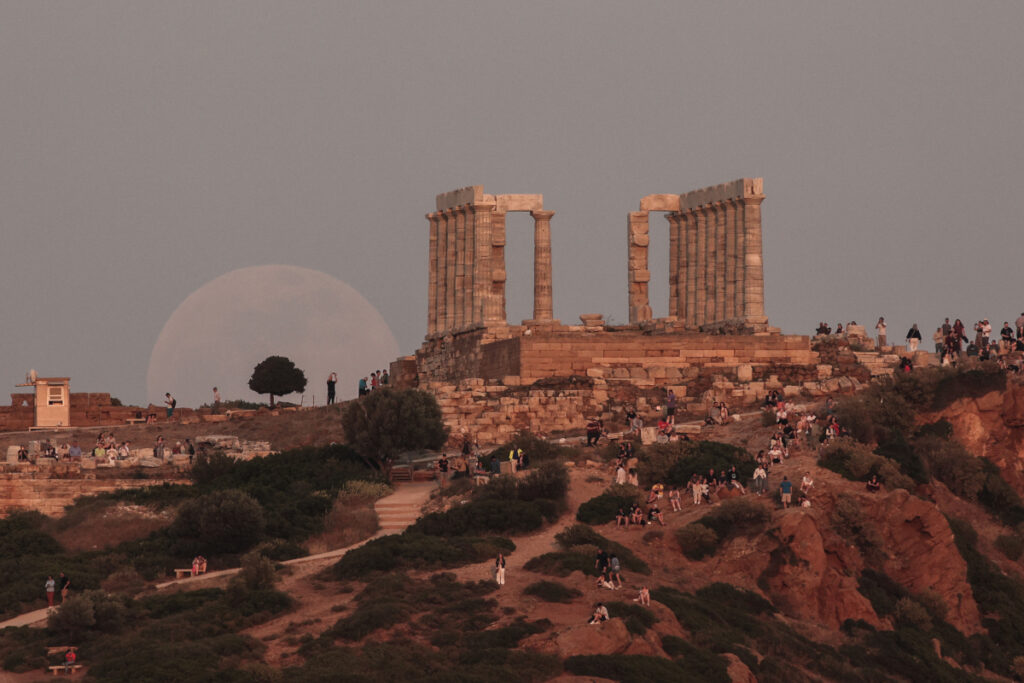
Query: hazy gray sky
x=148, y=147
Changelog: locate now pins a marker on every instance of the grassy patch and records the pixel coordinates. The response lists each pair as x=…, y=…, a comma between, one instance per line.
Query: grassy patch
x=582, y=535
x=603, y=508
x=420, y=551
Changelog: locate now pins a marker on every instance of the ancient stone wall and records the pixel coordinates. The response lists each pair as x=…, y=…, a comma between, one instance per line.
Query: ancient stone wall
x=49, y=490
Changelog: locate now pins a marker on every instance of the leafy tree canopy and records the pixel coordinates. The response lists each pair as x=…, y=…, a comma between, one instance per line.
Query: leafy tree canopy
x=277, y=376
x=387, y=422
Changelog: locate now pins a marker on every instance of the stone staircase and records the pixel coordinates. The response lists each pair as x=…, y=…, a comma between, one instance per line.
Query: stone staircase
x=886, y=361
x=395, y=515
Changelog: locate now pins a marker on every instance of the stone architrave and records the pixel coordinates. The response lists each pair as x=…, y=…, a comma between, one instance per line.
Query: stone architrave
x=673, y=263
x=432, y=278
x=543, y=304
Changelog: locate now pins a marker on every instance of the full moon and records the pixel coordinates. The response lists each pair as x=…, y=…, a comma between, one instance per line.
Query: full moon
x=222, y=330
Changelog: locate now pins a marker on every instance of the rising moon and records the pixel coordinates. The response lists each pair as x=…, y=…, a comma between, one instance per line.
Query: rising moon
x=222, y=330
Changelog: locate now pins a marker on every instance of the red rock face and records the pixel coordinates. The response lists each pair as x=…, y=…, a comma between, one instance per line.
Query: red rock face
x=923, y=556
x=807, y=581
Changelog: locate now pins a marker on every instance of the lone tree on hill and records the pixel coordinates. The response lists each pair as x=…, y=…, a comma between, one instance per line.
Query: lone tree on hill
x=277, y=376
x=387, y=422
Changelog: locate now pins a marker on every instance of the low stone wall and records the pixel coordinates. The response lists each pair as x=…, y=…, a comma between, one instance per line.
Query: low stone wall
x=50, y=489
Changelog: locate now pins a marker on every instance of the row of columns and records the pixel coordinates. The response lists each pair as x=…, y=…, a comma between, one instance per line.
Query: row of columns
x=466, y=286
x=715, y=264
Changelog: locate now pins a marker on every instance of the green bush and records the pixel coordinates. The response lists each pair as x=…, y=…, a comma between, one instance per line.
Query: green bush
x=220, y=522
x=849, y=522
x=697, y=541
x=637, y=617
x=537, y=449
x=975, y=479
x=674, y=463
x=561, y=564
x=367, y=489
x=415, y=550
x=641, y=669
x=552, y=591
x=1010, y=545
x=603, y=508
x=856, y=462
x=387, y=422
x=581, y=535
x=736, y=516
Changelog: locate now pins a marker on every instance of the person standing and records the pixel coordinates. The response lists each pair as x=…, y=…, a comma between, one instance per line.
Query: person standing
x=1019, y=322
x=913, y=338
x=760, y=477
x=65, y=586
x=362, y=387
x=880, y=327
x=786, y=491
x=499, y=569
x=442, y=468
x=385, y=378
x=216, y=401
x=332, y=380
x=670, y=407
x=171, y=405
x=51, y=587
x=940, y=341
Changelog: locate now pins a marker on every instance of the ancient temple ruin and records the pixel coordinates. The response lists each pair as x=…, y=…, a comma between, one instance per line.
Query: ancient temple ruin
x=715, y=266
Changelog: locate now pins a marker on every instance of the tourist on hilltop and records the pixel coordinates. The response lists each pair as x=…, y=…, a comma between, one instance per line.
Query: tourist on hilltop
x=1006, y=338
x=839, y=329
x=615, y=570
x=670, y=407
x=362, y=387
x=947, y=328
x=332, y=381
x=940, y=342
x=384, y=378
x=786, y=491
x=601, y=560
x=594, y=428
x=674, y=499
x=913, y=338
x=620, y=474
x=442, y=469
x=499, y=569
x=216, y=401
x=734, y=479
x=124, y=451
x=823, y=329
x=374, y=381
x=515, y=456
x=75, y=452
x=806, y=483
x=621, y=519
x=760, y=477
x=644, y=598
x=694, y=486
x=171, y=405
x=159, y=447
x=959, y=331
x=906, y=364
x=1020, y=326
x=880, y=327
x=600, y=614
x=874, y=485
x=64, y=583
x=51, y=587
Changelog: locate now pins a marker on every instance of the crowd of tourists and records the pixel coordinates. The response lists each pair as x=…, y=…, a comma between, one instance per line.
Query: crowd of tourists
x=375, y=380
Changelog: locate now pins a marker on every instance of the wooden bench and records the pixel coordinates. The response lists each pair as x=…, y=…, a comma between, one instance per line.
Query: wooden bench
x=135, y=420
x=58, y=669
x=182, y=573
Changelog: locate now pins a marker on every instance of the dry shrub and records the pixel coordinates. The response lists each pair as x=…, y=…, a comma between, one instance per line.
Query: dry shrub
x=125, y=580
x=105, y=526
x=351, y=519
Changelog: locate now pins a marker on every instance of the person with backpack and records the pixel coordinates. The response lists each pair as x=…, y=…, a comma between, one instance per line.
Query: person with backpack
x=615, y=569
x=171, y=405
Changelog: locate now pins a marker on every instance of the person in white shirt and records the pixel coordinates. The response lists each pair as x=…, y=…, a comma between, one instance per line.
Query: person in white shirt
x=880, y=327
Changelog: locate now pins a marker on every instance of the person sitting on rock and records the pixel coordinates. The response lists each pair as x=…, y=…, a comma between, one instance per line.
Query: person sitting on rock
x=733, y=478
x=604, y=581
x=806, y=483
x=645, y=597
x=674, y=499
x=873, y=484
x=654, y=513
x=636, y=516
x=593, y=432
x=600, y=614
x=621, y=519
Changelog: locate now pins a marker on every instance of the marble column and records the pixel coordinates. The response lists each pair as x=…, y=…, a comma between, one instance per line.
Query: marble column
x=432, y=278
x=543, y=304
x=753, y=309
x=729, y=225
x=497, y=311
x=449, y=269
x=469, y=284
x=481, y=262
x=739, y=255
x=692, y=265
x=702, y=267
x=673, y=263
x=460, y=267
x=638, y=239
x=683, y=266
x=720, y=259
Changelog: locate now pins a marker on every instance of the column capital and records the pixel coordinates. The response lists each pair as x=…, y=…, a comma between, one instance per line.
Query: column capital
x=542, y=214
x=433, y=217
